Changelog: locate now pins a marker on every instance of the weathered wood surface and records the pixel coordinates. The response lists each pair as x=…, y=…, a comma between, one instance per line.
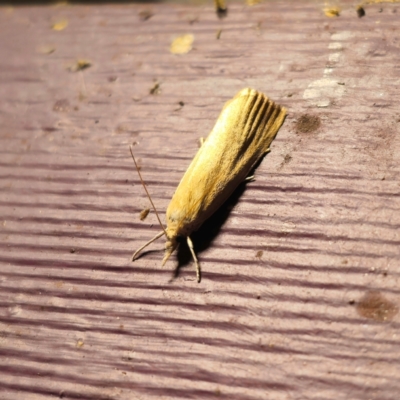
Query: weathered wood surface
x=285, y=309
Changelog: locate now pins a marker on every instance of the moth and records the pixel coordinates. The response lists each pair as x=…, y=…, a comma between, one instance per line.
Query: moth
x=240, y=138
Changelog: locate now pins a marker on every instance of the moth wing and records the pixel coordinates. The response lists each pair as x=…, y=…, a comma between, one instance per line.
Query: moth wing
x=241, y=136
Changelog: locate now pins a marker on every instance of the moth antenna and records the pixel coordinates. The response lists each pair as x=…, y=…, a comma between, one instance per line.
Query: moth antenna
x=198, y=270
x=151, y=201
x=144, y=246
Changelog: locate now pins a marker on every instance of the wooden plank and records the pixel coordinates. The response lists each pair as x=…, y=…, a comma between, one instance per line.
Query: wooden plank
x=301, y=267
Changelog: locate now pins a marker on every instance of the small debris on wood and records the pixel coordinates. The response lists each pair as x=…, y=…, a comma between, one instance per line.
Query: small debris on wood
x=182, y=44
x=180, y=104
x=62, y=105
x=332, y=12
x=373, y=305
x=60, y=25
x=287, y=159
x=259, y=254
x=144, y=213
x=220, y=8
x=360, y=12
x=308, y=123
x=80, y=65
x=47, y=49
x=144, y=15
x=192, y=19
x=218, y=35
x=155, y=89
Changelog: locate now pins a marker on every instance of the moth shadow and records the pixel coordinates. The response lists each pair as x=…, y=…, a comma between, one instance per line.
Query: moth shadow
x=203, y=238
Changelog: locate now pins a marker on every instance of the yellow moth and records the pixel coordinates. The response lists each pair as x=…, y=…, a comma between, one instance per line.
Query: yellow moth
x=241, y=136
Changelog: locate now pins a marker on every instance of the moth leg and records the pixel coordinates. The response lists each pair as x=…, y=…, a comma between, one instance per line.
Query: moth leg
x=198, y=270
x=250, y=179
x=201, y=141
x=144, y=246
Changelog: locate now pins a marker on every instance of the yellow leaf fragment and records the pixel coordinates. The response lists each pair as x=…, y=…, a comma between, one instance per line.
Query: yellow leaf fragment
x=46, y=49
x=182, y=44
x=60, y=25
x=80, y=65
x=332, y=12
x=220, y=8
x=144, y=213
x=220, y=5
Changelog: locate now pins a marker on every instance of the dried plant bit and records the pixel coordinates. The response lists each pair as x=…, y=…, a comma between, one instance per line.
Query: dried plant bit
x=252, y=2
x=144, y=213
x=144, y=15
x=247, y=125
x=182, y=44
x=180, y=106
x=220, y=8
x=60, y=25
x=47, y=49
x=360, y=12
x=259, y=254
x=80, y=65
x=218, y=35
x=155, y=89
x=332, y=12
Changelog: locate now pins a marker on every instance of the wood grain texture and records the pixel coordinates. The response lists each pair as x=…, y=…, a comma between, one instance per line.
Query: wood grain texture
x=290, y=264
